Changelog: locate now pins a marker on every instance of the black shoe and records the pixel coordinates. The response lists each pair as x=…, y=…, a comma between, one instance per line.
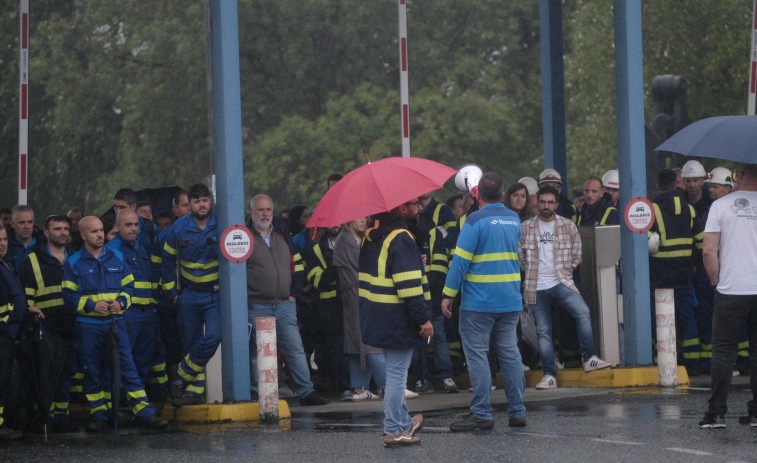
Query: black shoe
x=712, y=422
x=471, y=423
x=155, y=422
x=517, y=422
x=313, y=399
x=751, y=420
x=96, y=426
x=188, y=399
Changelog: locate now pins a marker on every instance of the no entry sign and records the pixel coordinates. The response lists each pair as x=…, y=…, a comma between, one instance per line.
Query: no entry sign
x=639, y=215
x=236, y=243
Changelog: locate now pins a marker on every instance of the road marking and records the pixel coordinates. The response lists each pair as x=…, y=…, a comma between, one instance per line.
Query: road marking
x=689, y=451
x=610, y=441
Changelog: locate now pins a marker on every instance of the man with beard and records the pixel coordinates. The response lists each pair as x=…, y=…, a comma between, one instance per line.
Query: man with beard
x=193, y=241
x=23, y=238
x=598, y=207
x=98, y=286
x=549, y=251
x=275, y=278
x=42, y=274
x=395, y=310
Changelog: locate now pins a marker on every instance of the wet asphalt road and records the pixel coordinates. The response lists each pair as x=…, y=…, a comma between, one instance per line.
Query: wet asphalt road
x=634, y=425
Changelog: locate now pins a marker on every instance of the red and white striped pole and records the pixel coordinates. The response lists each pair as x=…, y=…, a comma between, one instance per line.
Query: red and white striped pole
x=23, y=122
x=753, y=66
x=403, y=80
x=268, y=370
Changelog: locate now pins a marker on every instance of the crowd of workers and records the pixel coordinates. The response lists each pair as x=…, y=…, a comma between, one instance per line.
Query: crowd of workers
x=360, y=305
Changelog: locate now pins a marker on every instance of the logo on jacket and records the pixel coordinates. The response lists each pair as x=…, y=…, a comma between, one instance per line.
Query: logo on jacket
x=503, y=222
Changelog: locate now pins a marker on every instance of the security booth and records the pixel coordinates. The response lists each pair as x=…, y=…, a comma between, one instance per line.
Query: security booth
x=599, y=285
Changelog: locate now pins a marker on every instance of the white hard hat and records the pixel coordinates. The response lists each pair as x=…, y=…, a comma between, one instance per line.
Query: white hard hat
x=693, y=169
x=531, y=185
x=467, y=177
x=721, y=176
x=550, y=175
x=654, y=242
x=610, y=179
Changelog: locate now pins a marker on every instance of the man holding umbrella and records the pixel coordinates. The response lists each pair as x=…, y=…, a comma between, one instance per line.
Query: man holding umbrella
x=97, y=285
x=395, y=311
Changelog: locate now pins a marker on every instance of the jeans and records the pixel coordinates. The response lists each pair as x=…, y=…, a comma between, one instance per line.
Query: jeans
x=396, y=416
x=442, y=362
x=731, y=313
x=288, y=342
x=375, y=365
x=476, y=328
x=574, y=304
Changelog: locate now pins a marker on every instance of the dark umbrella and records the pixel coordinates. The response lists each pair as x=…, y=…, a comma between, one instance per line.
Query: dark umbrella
x=42, y=360
x=725, y=137
x=116, y=374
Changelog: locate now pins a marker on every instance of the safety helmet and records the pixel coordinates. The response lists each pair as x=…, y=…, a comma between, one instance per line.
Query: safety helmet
x=531, y=186
x=550, y=175
x=653, y=244
x=693, y=169
x=610, y=179
x=721, y=176
x=467, y=178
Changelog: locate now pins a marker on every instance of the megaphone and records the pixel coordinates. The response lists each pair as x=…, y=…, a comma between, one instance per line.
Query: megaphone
x=467, y=178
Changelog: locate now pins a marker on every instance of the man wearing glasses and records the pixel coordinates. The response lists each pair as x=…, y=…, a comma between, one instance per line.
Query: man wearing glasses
x=550, y=249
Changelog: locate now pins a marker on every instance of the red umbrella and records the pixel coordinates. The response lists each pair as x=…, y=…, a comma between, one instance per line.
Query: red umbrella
x=378, y=187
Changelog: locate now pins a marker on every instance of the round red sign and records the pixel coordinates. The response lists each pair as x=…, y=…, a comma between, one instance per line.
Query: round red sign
x=236, y=243
x=639, y=215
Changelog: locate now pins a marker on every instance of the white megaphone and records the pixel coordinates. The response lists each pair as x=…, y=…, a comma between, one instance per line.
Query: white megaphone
x=467, y=178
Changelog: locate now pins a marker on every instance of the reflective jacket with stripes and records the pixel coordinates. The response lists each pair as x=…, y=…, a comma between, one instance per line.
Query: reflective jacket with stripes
x=42, y=274
x=197, y=252
x=680, y=235
x=137, y=258
x=485, y=265
x=12, y=301
x=322, y=276
x=601, y=213
x=441, y=215
x=394, y=294
x=88, y=280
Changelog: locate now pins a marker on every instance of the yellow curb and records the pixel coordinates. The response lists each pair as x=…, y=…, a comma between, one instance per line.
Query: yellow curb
x=615, y=377
x=220, y=413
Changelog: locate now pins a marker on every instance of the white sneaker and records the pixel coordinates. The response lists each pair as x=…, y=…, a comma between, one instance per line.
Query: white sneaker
x=313, y=365
x=363, y=396
x=449, y=385
x=558, y=364
x=410, y=394
x=595, y=363
x=547, y=382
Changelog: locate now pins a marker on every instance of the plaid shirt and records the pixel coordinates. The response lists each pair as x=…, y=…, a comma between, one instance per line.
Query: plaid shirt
x=567, y=247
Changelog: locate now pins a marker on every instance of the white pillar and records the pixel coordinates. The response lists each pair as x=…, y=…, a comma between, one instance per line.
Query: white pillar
x=268, y=374
x=667, y=363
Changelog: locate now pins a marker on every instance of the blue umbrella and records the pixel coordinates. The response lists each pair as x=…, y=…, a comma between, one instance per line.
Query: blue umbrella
x=724, y=137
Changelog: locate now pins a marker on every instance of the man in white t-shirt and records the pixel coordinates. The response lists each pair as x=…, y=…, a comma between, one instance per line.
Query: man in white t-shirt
x=732, y=228
x=549, y=251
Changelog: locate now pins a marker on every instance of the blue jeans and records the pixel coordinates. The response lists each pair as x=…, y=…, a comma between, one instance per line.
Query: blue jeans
x=442, y=362
x=396, y=416
x=375, y=365
x=574, y=304
x=288, y=342
x=476, y=329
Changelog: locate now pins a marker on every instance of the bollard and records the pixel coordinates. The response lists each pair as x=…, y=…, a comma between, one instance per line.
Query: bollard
x=667, y=363
x=268, y=375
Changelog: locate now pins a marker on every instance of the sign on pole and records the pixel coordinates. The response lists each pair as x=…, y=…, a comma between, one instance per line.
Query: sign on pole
x=236, y=243
x=639, y=215
x=23, y=122
x=753, y=64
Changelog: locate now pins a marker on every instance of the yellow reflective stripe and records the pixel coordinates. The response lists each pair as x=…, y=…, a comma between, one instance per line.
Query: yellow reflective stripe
x=437, y=211
x=76, y=389
x=449, y=224
x=156, y=259
x=101, y=408
x=384, y=254
x=741, y=345
x=677, y=205
x=463, y=253
x=196, y=265
x=437, y=256
x=664, y=241
x=606, y=215
x=195, y=389
x=376, y=281
x=47, y=290
x=383, y=298
x=143, y=300
x=78, y=375
x=37, y=271
x=691, y=355
x=201, y=279
x=97, y=396
x=450, y=292
x=495, y=256
x=143, y=285
x=140, y=394
x=193, y=366
x=29, y=293
x=169, y=286
x=492, y=278
x=127, y=279
x=158, y=380
x=670, y=254
x=405, y=276
x=690, y=342
x=158, y=367
x=51, y=303
x=410, y=292
x=186, y=376
x=315, y=274
x=299, y=267
x=139, y=406
x=327, y=295
x=69, y=285
x=167, y=248
x=437, y=268
x=319, y=255
x=96, y=298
